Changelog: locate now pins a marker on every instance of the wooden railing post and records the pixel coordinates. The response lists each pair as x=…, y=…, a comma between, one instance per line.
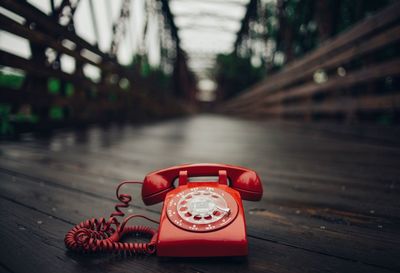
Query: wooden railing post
x=346, y=63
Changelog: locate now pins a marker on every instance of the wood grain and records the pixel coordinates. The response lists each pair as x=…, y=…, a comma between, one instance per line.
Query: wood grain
x=330, y=201
x=297, y=90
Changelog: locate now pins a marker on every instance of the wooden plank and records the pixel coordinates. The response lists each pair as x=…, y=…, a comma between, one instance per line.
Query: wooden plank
x=341, y=215
x=363, y=75
x=29, y=245
x=125, y=156
x=345, y=214
x=32, y=14
x=12, y=60
x=18, y=97
x=95, y=162
x=89, y=184
x=365, y=103
x=285, y=79
x=47, y=241
x=68, y=203
x=330, y=48
x=385, y=136
x=37, y=37
x=299, y=193
x=98, y=175
x=368, y=26
x=95, y=179
x=10, y=95
x=137, y=153
x=4, y=269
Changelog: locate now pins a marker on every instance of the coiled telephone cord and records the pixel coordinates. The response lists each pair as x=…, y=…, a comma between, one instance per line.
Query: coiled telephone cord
x=101, y=235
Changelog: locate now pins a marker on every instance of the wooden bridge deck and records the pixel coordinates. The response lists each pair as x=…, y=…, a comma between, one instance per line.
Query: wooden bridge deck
x=331, y=201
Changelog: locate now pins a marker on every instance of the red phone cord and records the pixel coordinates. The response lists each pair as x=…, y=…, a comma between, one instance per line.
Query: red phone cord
x=99, y=235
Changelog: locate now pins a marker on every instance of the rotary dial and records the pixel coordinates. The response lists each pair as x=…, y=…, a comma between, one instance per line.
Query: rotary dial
x=202, y=209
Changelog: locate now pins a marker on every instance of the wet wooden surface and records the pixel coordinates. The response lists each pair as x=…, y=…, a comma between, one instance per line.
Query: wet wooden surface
x=331, y=201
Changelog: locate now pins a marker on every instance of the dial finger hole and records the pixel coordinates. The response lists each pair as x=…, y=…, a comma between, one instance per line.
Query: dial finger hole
x=208, y=217
x=206, y=193
x=188, y=197
x=183, y=203
x=197, y=217
x=216, y=213
x=188, y=214
x=196, y=193
x=183, y=209
x=214, y=196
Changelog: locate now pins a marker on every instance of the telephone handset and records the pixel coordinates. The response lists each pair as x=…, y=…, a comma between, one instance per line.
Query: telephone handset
x=202, y=218
x=157, y=184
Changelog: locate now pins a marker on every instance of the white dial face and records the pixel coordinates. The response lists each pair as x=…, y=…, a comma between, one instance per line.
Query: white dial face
x=202, y=206
x=201, y=209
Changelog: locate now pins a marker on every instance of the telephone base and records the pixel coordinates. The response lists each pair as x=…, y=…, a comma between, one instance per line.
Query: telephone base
x=224, y=249
x=174, y=240
x=221, y=244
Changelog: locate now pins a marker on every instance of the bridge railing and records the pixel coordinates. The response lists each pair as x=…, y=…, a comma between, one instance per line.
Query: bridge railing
x=115, y=95
x=355, y=73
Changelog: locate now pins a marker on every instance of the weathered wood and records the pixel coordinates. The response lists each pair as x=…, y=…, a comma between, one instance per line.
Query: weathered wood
x=287, y=77
x=342, y=53
x=33, y=14
x=366, y=103
x=12, y=60
x=41, y=39
x=57, y=31
x=281, y=218
x=91, y=101
x=19, y=97
x=23, y=236
x=330, y=195
x=364, y=75
x=368, y=26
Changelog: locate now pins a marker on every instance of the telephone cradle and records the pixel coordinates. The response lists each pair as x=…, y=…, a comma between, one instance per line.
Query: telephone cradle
x=201, y=218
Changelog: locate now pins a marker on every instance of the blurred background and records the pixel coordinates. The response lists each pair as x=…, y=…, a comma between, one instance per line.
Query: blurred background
x=305, y=92
x=66, y=63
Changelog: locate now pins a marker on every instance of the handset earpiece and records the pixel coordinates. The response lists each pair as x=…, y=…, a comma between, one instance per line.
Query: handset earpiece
x=248, y=184
x=155, y=188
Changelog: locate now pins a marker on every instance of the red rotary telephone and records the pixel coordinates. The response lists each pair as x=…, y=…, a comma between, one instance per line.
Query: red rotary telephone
x=199, y=218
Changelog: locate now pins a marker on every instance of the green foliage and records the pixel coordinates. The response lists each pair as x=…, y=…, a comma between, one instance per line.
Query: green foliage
x=351, y=11
x=272, y=24
x=145, y=69
x=233, y=74
x=56, y=113
x=304, y=27
x=161, y=79
x=13, y=81
x=291, y=8
x=8, y=119
x=53, y=85
x=300, y=16
x=69, y=89
x=5, y=125
x=153, y=77
x=22, y=117
x=142, y=64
